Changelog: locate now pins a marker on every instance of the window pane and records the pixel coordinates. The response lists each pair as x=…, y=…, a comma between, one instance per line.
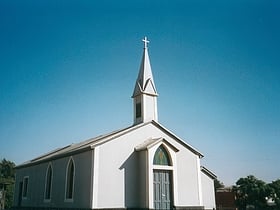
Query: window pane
x=70, y=180
x=25, y=186
x=138, y=110
x=48, y=183
x=161, y=157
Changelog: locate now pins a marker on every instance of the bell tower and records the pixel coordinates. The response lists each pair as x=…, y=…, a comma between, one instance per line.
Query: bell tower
x=145, y=94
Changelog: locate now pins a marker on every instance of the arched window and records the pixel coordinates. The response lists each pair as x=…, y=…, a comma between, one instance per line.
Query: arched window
x=161, y=157
x=70, y=180
x=48, y=185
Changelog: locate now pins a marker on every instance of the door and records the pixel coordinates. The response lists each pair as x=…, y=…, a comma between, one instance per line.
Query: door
x=162, y=189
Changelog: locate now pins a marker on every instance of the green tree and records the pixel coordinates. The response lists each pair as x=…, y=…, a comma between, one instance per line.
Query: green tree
x=251, y=191
x=7, y=179
x=218, y=184
x=275, y=193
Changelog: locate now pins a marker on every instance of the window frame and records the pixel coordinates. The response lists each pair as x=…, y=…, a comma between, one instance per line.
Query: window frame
x=67, y=183
x=138, y=110
x=166, y=154
x=25, y=187
x=48, y=183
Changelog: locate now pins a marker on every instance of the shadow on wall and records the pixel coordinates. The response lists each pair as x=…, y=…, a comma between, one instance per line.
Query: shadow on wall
x=131, y=176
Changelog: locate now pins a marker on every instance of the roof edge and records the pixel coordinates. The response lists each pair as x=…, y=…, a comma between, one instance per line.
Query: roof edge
x=51, y=158
x=149, y=143
x=99, y=140
x=195, y=151
x=208, y=172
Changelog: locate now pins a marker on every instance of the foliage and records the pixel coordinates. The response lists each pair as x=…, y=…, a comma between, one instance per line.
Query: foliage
x=7, y=179
x=275, y=193
x=7, y=169
x=252, y=192
x=218, y=184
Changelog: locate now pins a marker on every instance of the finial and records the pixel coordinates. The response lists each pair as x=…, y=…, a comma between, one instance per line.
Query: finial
x=146, y=41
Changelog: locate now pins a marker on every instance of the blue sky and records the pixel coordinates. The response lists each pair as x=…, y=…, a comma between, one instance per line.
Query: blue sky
x=68, y=68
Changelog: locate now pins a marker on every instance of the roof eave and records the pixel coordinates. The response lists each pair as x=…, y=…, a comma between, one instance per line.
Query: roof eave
x=179, y=139
x=208, y=172
x=48, y=159
x=152, y=142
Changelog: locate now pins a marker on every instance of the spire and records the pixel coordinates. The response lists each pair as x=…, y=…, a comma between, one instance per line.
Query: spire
x=145, y=82
x=145, y=94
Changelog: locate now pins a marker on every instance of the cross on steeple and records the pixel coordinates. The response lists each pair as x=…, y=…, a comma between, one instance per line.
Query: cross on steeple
x=146, y=41
x=145, y=94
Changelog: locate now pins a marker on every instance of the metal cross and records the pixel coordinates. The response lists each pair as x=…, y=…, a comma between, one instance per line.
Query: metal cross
x=146, y=41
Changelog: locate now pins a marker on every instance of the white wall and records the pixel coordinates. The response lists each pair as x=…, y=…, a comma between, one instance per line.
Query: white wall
x=119, y=174
x=208, y=191
x=150, y=108
x=36, y=185
x=122, y=175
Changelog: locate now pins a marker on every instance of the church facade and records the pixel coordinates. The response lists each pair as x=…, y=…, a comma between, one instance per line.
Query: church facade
x=143, y=166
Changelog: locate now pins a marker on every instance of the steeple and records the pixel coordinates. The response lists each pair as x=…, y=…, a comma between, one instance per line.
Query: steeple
x=145, y=94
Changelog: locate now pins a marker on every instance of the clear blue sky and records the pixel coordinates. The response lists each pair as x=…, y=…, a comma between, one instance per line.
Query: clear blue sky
x=68, y=68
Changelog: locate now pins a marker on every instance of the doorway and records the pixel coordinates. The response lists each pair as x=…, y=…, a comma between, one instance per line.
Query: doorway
x=163, y=189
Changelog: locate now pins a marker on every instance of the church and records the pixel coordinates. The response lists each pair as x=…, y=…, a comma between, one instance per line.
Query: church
x=143, y=166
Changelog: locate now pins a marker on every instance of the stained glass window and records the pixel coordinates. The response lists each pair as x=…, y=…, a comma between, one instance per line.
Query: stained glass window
x=161, y=157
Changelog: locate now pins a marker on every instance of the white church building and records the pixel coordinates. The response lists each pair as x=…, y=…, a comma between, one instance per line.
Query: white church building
x=143, y=166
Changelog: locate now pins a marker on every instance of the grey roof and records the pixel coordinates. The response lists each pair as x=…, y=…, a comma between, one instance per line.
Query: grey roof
x=147, y=144
x=93, y=142
x=208, y=172
x=151, y=142
x=73, y=148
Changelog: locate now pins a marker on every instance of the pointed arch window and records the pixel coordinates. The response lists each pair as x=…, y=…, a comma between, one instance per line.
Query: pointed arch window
x=25, y=186
x=70, y=180
x=161, y=157
x=48, y=185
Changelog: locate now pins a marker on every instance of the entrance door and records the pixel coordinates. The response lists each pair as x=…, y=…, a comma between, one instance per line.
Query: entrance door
x=162, y=189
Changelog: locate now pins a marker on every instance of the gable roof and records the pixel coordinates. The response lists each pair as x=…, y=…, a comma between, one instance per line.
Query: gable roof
x=99, y=140
x=208, y=172
x=152, y=142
